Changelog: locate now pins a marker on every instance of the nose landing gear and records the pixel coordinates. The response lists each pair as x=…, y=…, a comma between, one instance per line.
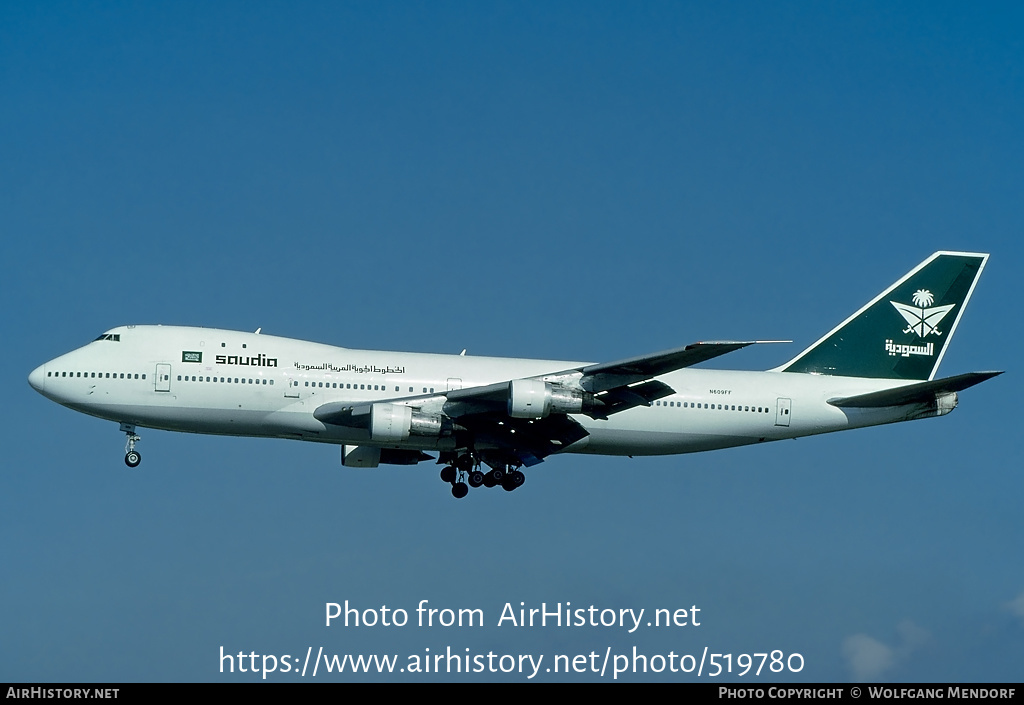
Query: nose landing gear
x=132, y=457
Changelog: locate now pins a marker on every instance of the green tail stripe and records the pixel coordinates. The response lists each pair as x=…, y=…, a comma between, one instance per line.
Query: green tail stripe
x=903, y=332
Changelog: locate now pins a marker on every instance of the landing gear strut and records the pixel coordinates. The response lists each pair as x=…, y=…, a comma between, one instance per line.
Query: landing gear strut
x=456, y=474
x=132, y=457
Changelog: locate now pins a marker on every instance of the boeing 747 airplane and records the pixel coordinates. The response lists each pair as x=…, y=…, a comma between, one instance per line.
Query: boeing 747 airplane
x=486, y=418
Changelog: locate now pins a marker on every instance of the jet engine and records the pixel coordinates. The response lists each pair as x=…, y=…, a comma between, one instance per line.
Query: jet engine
x=535, y=399
x=396, y=422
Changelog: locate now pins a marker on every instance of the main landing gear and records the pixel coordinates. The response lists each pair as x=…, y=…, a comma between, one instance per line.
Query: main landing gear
x=132, y=457
x=464, y=472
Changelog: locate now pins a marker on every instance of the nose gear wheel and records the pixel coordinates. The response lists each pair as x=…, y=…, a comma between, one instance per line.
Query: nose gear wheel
x=132, y=457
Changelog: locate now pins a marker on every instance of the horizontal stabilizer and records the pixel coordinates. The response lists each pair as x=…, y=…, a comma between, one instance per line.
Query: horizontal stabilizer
x=914, y=393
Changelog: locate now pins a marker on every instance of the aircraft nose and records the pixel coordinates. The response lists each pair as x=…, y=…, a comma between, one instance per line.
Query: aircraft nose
x=36, y=378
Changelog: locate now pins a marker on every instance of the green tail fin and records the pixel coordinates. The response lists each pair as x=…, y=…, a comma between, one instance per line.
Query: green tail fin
x=903, y=332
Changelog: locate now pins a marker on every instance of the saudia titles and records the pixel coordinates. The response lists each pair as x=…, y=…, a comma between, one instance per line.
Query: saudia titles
x=260, y=360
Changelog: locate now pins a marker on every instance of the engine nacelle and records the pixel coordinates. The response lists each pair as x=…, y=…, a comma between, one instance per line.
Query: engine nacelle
x=392, y=423
x=535, y=399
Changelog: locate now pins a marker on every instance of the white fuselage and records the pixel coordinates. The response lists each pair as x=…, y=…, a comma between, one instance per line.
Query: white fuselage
x=204, y=380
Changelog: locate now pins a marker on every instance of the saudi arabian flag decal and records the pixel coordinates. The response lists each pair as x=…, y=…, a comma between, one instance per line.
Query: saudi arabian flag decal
x=920, y=319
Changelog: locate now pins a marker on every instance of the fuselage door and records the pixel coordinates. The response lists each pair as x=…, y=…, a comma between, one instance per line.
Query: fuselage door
x=454, y=383
x=163, y=378
x=782, y=413
x=291, y=389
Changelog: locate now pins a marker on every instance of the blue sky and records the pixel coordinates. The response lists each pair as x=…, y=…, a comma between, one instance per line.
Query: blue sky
x=587, y=181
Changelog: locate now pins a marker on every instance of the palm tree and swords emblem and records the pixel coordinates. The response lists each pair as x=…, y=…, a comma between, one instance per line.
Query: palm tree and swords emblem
x=921, y=319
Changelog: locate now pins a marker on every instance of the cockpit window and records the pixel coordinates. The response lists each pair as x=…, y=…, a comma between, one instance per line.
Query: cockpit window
x=110, y=336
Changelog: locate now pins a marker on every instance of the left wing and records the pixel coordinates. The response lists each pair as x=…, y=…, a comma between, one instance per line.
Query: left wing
x=529, y=418
x=603, y=389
